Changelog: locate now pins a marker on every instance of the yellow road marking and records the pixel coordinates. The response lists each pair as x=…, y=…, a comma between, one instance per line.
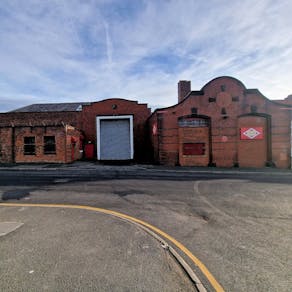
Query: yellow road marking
x=194, y=259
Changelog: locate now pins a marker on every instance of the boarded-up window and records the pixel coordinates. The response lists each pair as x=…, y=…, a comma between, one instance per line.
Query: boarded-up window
x=193, y=148
x=29, y=145
x=49, y=145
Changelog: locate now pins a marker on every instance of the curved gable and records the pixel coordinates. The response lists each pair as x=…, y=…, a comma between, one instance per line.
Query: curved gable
x=223, y=80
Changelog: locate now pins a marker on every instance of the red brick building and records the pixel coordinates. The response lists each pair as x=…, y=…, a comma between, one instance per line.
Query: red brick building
x=113, y=129
x=31, y=136
x=112, y=123
x=224, y=124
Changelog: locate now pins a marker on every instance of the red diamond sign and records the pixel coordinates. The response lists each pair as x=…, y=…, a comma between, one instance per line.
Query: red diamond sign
x=252, y=133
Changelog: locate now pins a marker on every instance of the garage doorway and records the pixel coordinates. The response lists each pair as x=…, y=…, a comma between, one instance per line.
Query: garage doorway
x=115, y=137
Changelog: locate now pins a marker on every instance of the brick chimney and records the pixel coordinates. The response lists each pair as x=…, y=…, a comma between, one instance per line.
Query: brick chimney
x=184, y=87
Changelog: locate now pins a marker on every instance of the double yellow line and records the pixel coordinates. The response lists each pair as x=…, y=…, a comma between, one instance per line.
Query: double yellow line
x=194, y=259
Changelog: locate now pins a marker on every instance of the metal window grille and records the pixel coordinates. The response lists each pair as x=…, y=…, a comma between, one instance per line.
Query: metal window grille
x=193, y=123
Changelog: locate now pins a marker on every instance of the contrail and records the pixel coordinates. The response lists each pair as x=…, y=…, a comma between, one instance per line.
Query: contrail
x=109, y=45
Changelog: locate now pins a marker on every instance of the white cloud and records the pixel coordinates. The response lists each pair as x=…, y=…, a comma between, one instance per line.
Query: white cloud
x=90, y=50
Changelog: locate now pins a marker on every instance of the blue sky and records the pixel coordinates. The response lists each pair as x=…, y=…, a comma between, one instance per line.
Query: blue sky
x=86, y=50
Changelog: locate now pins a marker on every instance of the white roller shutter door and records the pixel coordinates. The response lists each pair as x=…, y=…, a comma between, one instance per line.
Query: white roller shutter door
x=114, y=138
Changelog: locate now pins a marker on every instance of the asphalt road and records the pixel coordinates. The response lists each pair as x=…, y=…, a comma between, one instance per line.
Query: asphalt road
x=76, y=250
x=238, y=223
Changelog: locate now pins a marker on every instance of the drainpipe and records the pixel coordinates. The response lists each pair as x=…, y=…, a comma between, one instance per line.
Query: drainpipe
x=13, y=144
x=65, y=146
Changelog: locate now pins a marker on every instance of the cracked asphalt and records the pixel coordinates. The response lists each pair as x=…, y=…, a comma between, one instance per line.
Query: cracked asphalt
x=239, y=225
x=77, y=250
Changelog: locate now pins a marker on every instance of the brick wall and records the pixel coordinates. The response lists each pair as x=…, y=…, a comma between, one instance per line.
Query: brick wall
x=12, y=144
x=39, y=133
x=254, y=152
x=224, y=100
x=188, y=135
x=6, y=145
x=23, y=123
x=154, y=134
x=115, y=107
x=15, y=126
x=73, y=144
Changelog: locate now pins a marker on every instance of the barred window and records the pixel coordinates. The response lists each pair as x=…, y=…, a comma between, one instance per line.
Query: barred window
x=49, y=145
x=29, y=145
x=193, y=122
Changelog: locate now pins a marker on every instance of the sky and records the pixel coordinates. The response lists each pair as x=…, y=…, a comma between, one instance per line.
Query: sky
x=89, y=50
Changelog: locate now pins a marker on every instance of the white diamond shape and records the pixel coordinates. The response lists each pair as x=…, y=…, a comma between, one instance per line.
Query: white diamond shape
x=251, y=133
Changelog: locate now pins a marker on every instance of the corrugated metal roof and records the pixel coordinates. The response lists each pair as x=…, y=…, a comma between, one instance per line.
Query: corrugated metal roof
x=52, y=107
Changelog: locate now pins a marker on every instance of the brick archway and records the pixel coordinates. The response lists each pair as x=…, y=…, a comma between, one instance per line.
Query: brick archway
x=254, y=140
x=194, y=140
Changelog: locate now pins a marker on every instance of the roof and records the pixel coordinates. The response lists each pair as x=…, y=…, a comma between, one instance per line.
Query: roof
x=52, y=107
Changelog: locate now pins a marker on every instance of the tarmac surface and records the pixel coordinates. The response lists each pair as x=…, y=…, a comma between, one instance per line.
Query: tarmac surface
x=32, y=174
x=79, y=250
x=95, y=165
x=237, y=221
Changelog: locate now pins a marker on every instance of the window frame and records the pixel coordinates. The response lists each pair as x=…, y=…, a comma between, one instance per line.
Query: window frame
x=49, y=146
x=29, y=147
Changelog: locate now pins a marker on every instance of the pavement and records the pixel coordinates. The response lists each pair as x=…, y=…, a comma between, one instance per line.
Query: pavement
x=237, y=221
x=77, y=250
x=94, y=165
